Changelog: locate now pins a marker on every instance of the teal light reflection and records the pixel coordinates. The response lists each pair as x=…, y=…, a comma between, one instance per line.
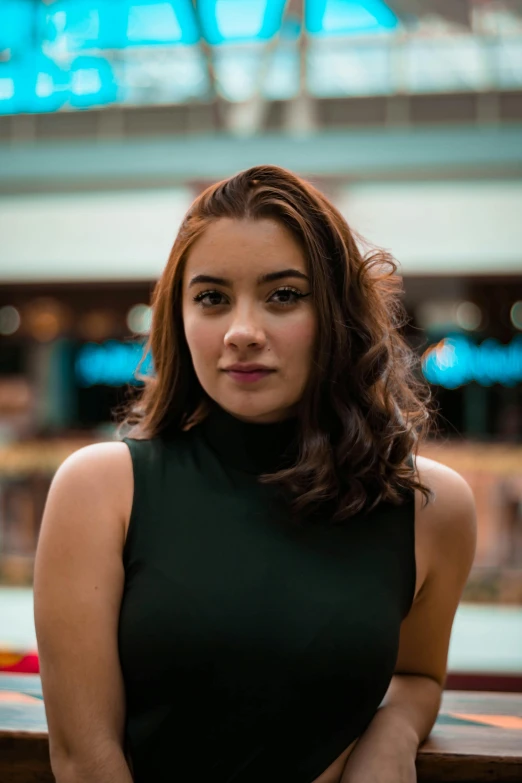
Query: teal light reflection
x=456, y=361
x=112, y=363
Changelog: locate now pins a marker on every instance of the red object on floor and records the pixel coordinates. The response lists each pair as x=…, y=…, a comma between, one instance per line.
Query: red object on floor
x=19, y=663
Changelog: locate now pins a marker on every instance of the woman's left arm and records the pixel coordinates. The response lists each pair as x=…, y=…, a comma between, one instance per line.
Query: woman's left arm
x=387, y=750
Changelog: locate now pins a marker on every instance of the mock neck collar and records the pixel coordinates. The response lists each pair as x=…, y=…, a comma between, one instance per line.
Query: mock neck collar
x=251, y=447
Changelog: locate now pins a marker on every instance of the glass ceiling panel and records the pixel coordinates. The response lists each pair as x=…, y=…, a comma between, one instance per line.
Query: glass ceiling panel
x=455, y=64
x=348, y=17
x=153, y=22
x=238, y=71
x=281, y=80
x=508, y=57
x=341, y=71
x=60, y=54
x=227, y=21
x=162, y=76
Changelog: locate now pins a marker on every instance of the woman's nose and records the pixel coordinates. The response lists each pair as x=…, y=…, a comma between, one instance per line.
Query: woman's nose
x=245, y=329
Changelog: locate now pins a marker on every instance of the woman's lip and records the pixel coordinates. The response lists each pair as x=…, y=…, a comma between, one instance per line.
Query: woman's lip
x=248, y=377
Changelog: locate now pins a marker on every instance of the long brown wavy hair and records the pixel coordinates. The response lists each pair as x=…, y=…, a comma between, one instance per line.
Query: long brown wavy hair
x=366, y=407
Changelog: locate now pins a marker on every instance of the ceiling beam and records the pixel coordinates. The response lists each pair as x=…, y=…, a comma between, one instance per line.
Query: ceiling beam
x=206, y=51
x=249, y=117
x=300, y=116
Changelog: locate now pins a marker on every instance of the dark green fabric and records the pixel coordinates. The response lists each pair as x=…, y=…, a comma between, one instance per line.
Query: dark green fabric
x=252, y=650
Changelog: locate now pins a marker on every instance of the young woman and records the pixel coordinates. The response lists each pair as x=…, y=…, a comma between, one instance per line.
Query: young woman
x=259, y=581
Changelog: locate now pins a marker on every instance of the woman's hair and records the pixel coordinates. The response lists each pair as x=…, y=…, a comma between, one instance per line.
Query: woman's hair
x=364, y=410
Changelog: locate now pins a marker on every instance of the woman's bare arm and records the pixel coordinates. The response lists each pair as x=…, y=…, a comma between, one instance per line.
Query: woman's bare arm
x=78, y=585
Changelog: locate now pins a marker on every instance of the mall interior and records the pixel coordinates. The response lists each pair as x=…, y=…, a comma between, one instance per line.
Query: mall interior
x=407, y=114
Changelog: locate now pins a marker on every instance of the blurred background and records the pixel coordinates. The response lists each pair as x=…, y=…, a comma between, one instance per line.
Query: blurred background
x=115, y=114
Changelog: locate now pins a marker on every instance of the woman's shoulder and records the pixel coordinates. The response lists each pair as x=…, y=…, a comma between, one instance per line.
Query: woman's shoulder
x=103, y=472
x=451, y=492
x=446, y=525
x=101, y=460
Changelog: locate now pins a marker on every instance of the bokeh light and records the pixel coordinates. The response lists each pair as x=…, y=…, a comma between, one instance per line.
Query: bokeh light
x=9, y=320
x=516, y=315
x=139, y=319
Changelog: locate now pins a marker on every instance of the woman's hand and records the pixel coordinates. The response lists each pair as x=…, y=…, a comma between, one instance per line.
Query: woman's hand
x=385, y=753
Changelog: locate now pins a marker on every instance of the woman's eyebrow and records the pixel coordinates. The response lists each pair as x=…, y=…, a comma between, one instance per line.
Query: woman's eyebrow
x=266, y=278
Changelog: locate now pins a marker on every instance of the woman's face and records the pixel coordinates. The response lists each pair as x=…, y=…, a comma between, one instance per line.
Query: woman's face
x=240, y=319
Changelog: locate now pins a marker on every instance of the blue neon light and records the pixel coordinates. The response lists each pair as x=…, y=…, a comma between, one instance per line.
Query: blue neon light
x=453, y=362
x=92, y=83
x=72, y=27
x=150, y=22
x=38, y=84
x=345, y=17
x=111, y=363
x=10, y=89
x=43, y=38
x=16, y=18
x=87, y=25
x=236, y=20
x=456, y=361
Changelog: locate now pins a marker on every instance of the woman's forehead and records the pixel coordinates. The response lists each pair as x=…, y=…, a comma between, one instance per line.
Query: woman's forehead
x=229, y=243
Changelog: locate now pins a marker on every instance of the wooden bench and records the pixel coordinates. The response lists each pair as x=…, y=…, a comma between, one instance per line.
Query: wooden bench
x=477, y=737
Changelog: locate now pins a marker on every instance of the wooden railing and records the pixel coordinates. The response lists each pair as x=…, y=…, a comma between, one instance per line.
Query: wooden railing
x=477, y=737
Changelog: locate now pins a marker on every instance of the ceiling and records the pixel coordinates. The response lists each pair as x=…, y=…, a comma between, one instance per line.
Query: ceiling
x=60, y=54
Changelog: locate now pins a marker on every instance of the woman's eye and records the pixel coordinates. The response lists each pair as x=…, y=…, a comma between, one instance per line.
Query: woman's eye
x=200, y=298
x=292, y=292
x=290, y=296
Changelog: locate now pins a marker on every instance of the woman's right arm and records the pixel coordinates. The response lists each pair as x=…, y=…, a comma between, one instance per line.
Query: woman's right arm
x=78, y=586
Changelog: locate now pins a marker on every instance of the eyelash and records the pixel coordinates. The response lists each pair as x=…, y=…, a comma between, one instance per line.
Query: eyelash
x=199, y=297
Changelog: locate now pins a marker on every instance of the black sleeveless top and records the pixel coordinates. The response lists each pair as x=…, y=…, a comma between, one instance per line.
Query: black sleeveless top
x=251, y=649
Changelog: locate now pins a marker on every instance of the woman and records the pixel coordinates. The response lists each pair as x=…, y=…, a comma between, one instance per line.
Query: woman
x=259, y=581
